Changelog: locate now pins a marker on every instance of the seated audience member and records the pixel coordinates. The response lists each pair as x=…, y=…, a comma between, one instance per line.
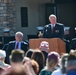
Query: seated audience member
x=52, y=61
x=62, y=69
x=68, y=45
x=44, y=47
x=16, y=56
x=31, y=66
x=35, y=66
x=71, y=63
x=38, y=56
x=26, y=59
x=1, y=70
x=73, y=43
x=29, y=53
x=16, y=59
x=18, y=71
x=5, y=47
x=3, y=65
x=17, y=44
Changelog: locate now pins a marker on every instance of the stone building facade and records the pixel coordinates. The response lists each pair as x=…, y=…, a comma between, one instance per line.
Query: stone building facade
x=7, y=16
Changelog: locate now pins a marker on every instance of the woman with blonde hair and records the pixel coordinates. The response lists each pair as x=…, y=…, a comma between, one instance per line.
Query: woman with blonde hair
x=52, y=62
x=63, y=65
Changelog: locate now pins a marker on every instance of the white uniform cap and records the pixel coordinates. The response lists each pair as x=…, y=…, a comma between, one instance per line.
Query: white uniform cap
x=6, y=30
x=2, y=54
x=40, y=28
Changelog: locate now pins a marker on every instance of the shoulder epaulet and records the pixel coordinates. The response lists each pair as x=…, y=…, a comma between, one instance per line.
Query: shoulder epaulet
x=11, y=41
x=46, y=26
x=60, y=24
x=24, y=42
x=73, y=39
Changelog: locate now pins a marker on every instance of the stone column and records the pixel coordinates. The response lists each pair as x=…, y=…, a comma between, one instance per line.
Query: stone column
x=7, y=16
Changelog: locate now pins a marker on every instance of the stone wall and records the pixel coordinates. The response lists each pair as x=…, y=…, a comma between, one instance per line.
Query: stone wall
x=7, y=16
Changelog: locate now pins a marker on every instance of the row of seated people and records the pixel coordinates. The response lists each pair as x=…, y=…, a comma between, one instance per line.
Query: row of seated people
x=69, y=45
x=34, y=62
x=5, y=39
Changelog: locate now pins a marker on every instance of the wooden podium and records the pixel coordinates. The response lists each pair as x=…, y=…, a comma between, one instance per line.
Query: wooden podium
x=55, y=44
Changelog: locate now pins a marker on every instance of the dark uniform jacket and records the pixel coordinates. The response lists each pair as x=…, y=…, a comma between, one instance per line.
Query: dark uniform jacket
x=11, y=46
x=58, y=31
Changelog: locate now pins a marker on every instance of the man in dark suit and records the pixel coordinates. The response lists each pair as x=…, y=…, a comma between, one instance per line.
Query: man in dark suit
x=17, y=44
x=73, y=44
x=54, y=29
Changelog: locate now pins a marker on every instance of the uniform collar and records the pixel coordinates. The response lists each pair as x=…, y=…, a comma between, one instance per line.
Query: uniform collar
x=53, y=25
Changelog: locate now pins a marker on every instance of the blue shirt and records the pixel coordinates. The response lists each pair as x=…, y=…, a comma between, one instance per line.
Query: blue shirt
x=19, y=46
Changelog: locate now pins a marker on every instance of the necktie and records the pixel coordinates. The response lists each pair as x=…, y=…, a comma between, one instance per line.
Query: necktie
x=52, y=28
x=17, y=45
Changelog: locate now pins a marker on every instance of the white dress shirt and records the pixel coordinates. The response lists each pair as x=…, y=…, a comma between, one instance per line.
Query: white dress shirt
x=57, y=72
x=52, y=26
